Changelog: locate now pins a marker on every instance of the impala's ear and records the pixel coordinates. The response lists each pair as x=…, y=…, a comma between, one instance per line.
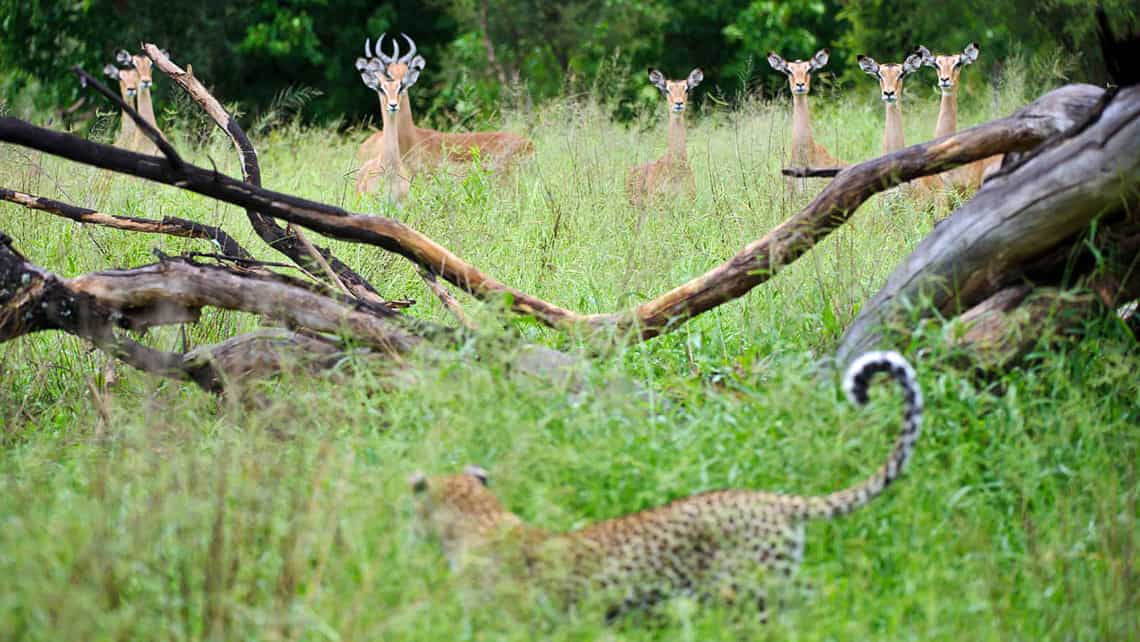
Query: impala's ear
x=927, y=57
x=694, y=79
x=658, y=79
x=361, y=64
x=417, y=63
x=819, y=60
x=868, y=64
x=111, y=71
x=477, y=472
x=412, y=76
x=777, y=63
x=912, y=64
x=969, y=54
x=123, y=57
x=369, y=80
x=418, y=482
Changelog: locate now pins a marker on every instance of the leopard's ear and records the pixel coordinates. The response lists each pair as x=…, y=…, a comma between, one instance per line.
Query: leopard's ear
x=418, y=482
x=477, y=472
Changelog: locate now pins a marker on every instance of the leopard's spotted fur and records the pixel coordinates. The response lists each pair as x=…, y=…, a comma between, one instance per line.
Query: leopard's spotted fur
x=709, y=545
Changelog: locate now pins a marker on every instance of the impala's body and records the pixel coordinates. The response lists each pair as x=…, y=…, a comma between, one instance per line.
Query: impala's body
x=671, y=173
x=804, y=152
x=386, y=170
x=949, y=67
x=424, y=148
x=128, y=89
x=891, y=77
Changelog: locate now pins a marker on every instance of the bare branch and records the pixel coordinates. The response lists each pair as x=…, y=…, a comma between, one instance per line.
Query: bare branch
x=290, y=241
x=445, y=297
x=170, y=226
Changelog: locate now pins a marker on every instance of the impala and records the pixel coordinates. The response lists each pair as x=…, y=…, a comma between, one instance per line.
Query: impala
x=145, y=68
x=128, y=87
x=890, y=77
x=671, y=173
x=422, y=147
x=388, y=167
x=805, y=152
x=968, y=176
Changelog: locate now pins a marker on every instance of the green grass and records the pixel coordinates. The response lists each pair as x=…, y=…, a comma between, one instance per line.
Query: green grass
x=147, y=509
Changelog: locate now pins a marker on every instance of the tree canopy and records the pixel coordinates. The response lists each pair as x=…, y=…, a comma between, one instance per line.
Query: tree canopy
x=484, y=54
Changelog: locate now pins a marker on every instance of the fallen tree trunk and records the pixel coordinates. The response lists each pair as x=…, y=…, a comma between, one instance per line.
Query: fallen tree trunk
x=1025, y=218
x=753, y=265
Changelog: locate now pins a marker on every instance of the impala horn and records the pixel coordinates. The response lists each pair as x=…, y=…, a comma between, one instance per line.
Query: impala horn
x=407, y=59
x=367, y=47
x=379, y=49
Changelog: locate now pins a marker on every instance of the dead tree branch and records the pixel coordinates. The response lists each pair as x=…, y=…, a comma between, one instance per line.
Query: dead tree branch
x=169, y=225
x=753, y=265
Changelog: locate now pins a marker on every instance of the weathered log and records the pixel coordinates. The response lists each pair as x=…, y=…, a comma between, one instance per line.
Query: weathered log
x=94, y=305
x=753, y=265
x=1022, y=214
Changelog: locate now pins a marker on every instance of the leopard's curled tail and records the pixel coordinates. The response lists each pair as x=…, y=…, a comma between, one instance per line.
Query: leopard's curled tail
x=855, y=383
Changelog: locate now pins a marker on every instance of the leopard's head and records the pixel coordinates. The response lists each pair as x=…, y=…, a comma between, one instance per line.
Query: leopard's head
x=460, y=510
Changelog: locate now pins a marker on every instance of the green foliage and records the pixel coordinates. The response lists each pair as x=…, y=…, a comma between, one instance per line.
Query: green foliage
x=484, y=55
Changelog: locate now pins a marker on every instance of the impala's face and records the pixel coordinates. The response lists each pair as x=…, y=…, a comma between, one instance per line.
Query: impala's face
x=676, y=91
x=799, y=72
x=949, y=66
x=390, y=89
x=890, y=75
x=379, y=71
x=145, y=68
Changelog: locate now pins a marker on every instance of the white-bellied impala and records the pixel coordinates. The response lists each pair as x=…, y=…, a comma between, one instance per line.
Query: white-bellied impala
x=804, y=152
x=948, y=67
x=128, y=88
x=671, y=173
x=145, y=69
x=387, y=169
x=425, y=148
x=890, y=77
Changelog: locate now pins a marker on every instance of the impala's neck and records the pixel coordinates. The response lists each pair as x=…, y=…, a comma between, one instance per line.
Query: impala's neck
x=390, y=152
x=126, y=124
x=802, y=141
x=407, y=126
x=676, y=136
x=893, y=132
x=947, y=114
x=146, y=107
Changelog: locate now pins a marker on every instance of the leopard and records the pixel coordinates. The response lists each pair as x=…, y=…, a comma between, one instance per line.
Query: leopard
x=727, y=545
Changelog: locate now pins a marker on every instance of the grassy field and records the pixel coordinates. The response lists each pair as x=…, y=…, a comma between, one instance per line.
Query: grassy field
x=147, y=509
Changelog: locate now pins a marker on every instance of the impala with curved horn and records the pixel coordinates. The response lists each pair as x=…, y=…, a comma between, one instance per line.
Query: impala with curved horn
x=422, y=147
x=397, y=67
